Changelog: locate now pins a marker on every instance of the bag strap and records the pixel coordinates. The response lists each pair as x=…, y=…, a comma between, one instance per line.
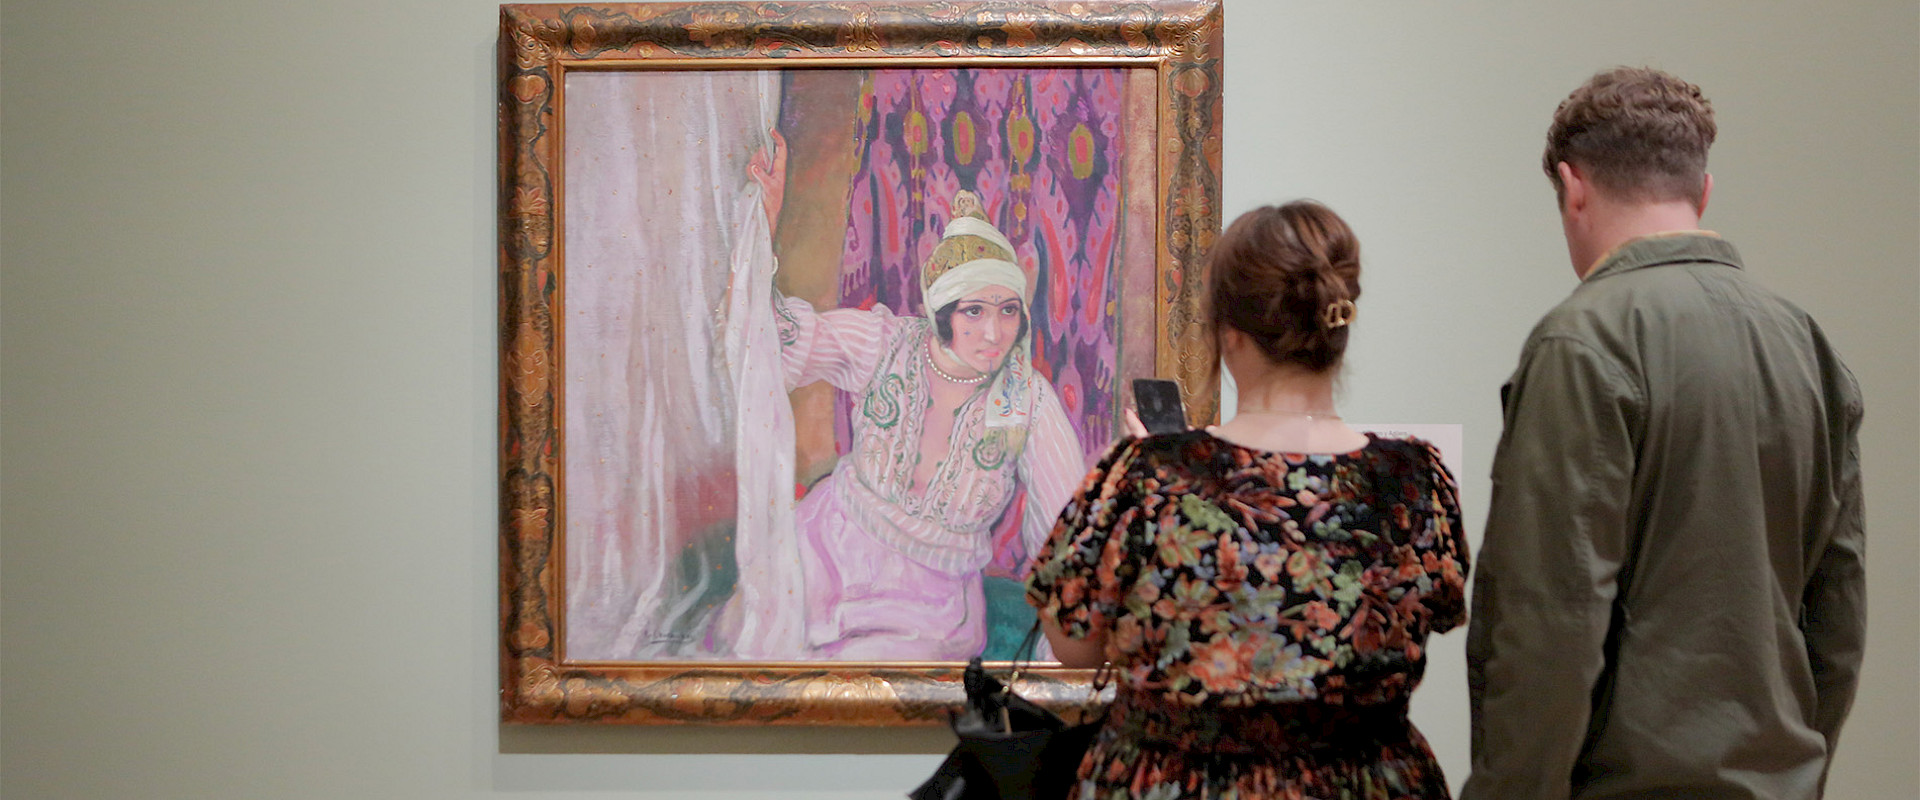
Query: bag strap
x=1023, y=658
x=1023, y=655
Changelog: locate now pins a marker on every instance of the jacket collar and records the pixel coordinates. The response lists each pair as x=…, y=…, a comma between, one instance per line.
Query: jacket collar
x=1665, y=248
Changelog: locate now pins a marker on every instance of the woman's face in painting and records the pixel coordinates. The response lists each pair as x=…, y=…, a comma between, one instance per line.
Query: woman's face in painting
x=985, y=327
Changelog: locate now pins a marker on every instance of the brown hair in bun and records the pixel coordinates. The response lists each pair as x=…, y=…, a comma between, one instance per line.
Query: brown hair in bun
x=1275, y=273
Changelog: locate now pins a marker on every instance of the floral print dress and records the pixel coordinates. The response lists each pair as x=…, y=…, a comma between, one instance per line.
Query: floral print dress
x=1266, y=613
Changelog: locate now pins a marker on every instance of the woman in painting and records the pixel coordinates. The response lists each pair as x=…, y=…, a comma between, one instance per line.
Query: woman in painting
x=1264, y=588
x=949, y=419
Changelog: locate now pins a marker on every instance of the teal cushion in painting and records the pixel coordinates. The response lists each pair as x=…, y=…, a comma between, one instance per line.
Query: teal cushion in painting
x=1008, y=618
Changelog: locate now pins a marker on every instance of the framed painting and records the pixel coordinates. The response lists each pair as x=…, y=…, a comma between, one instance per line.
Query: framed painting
x=813, y=315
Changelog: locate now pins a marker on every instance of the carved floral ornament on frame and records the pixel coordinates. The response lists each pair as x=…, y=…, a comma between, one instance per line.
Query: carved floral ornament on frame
x=812, y=316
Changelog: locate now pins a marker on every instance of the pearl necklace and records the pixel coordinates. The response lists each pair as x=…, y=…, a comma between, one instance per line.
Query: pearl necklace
x=928, y=356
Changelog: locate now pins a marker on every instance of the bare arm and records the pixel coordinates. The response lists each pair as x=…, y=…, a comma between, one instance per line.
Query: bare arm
x=1089, y=651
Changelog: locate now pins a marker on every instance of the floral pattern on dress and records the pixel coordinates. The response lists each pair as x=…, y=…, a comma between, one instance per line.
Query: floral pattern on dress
x=1237, y=586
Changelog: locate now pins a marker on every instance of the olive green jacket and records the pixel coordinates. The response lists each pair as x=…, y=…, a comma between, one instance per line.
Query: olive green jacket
x=1670, y=600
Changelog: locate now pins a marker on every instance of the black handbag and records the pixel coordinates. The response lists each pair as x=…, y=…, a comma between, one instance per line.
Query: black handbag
x=1010, y=748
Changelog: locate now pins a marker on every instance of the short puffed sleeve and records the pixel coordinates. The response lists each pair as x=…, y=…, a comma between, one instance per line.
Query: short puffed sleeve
x=1442, y=544
x=1082, y=573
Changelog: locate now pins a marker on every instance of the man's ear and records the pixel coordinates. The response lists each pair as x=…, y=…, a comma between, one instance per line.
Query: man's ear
x=1576, y=191
x=1706, y=193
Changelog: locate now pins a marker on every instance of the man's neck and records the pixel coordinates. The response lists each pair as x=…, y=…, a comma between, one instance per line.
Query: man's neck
x=1616, y=224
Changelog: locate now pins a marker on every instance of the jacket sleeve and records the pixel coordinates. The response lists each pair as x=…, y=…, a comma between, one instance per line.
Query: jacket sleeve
x=1557, y=534
x=1834, y=606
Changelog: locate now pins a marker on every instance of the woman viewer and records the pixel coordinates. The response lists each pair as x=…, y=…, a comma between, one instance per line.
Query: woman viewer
x=1265, y=588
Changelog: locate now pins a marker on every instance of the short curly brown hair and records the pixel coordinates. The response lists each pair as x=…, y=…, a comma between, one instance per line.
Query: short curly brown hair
x=1638, y=133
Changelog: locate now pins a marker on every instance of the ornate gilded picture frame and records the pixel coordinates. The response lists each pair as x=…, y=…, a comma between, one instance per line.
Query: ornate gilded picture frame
x=812, y=315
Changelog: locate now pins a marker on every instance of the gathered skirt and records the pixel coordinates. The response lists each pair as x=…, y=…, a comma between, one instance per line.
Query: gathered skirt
x=1151, y=748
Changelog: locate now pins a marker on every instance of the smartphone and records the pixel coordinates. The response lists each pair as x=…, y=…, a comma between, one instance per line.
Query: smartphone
x=1157, y=401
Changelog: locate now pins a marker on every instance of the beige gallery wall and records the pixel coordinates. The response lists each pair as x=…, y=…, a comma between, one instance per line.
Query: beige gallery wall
x=247, y=359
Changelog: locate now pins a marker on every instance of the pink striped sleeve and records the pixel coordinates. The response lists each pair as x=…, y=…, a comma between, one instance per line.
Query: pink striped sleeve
x=840, y=346
x=1051, y=466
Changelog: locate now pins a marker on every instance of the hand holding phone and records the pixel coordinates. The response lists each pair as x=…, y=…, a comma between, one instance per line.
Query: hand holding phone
x=1157, y=403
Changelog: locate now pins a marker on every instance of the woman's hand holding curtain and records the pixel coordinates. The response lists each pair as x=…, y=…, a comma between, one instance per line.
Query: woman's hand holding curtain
x=769, y=169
